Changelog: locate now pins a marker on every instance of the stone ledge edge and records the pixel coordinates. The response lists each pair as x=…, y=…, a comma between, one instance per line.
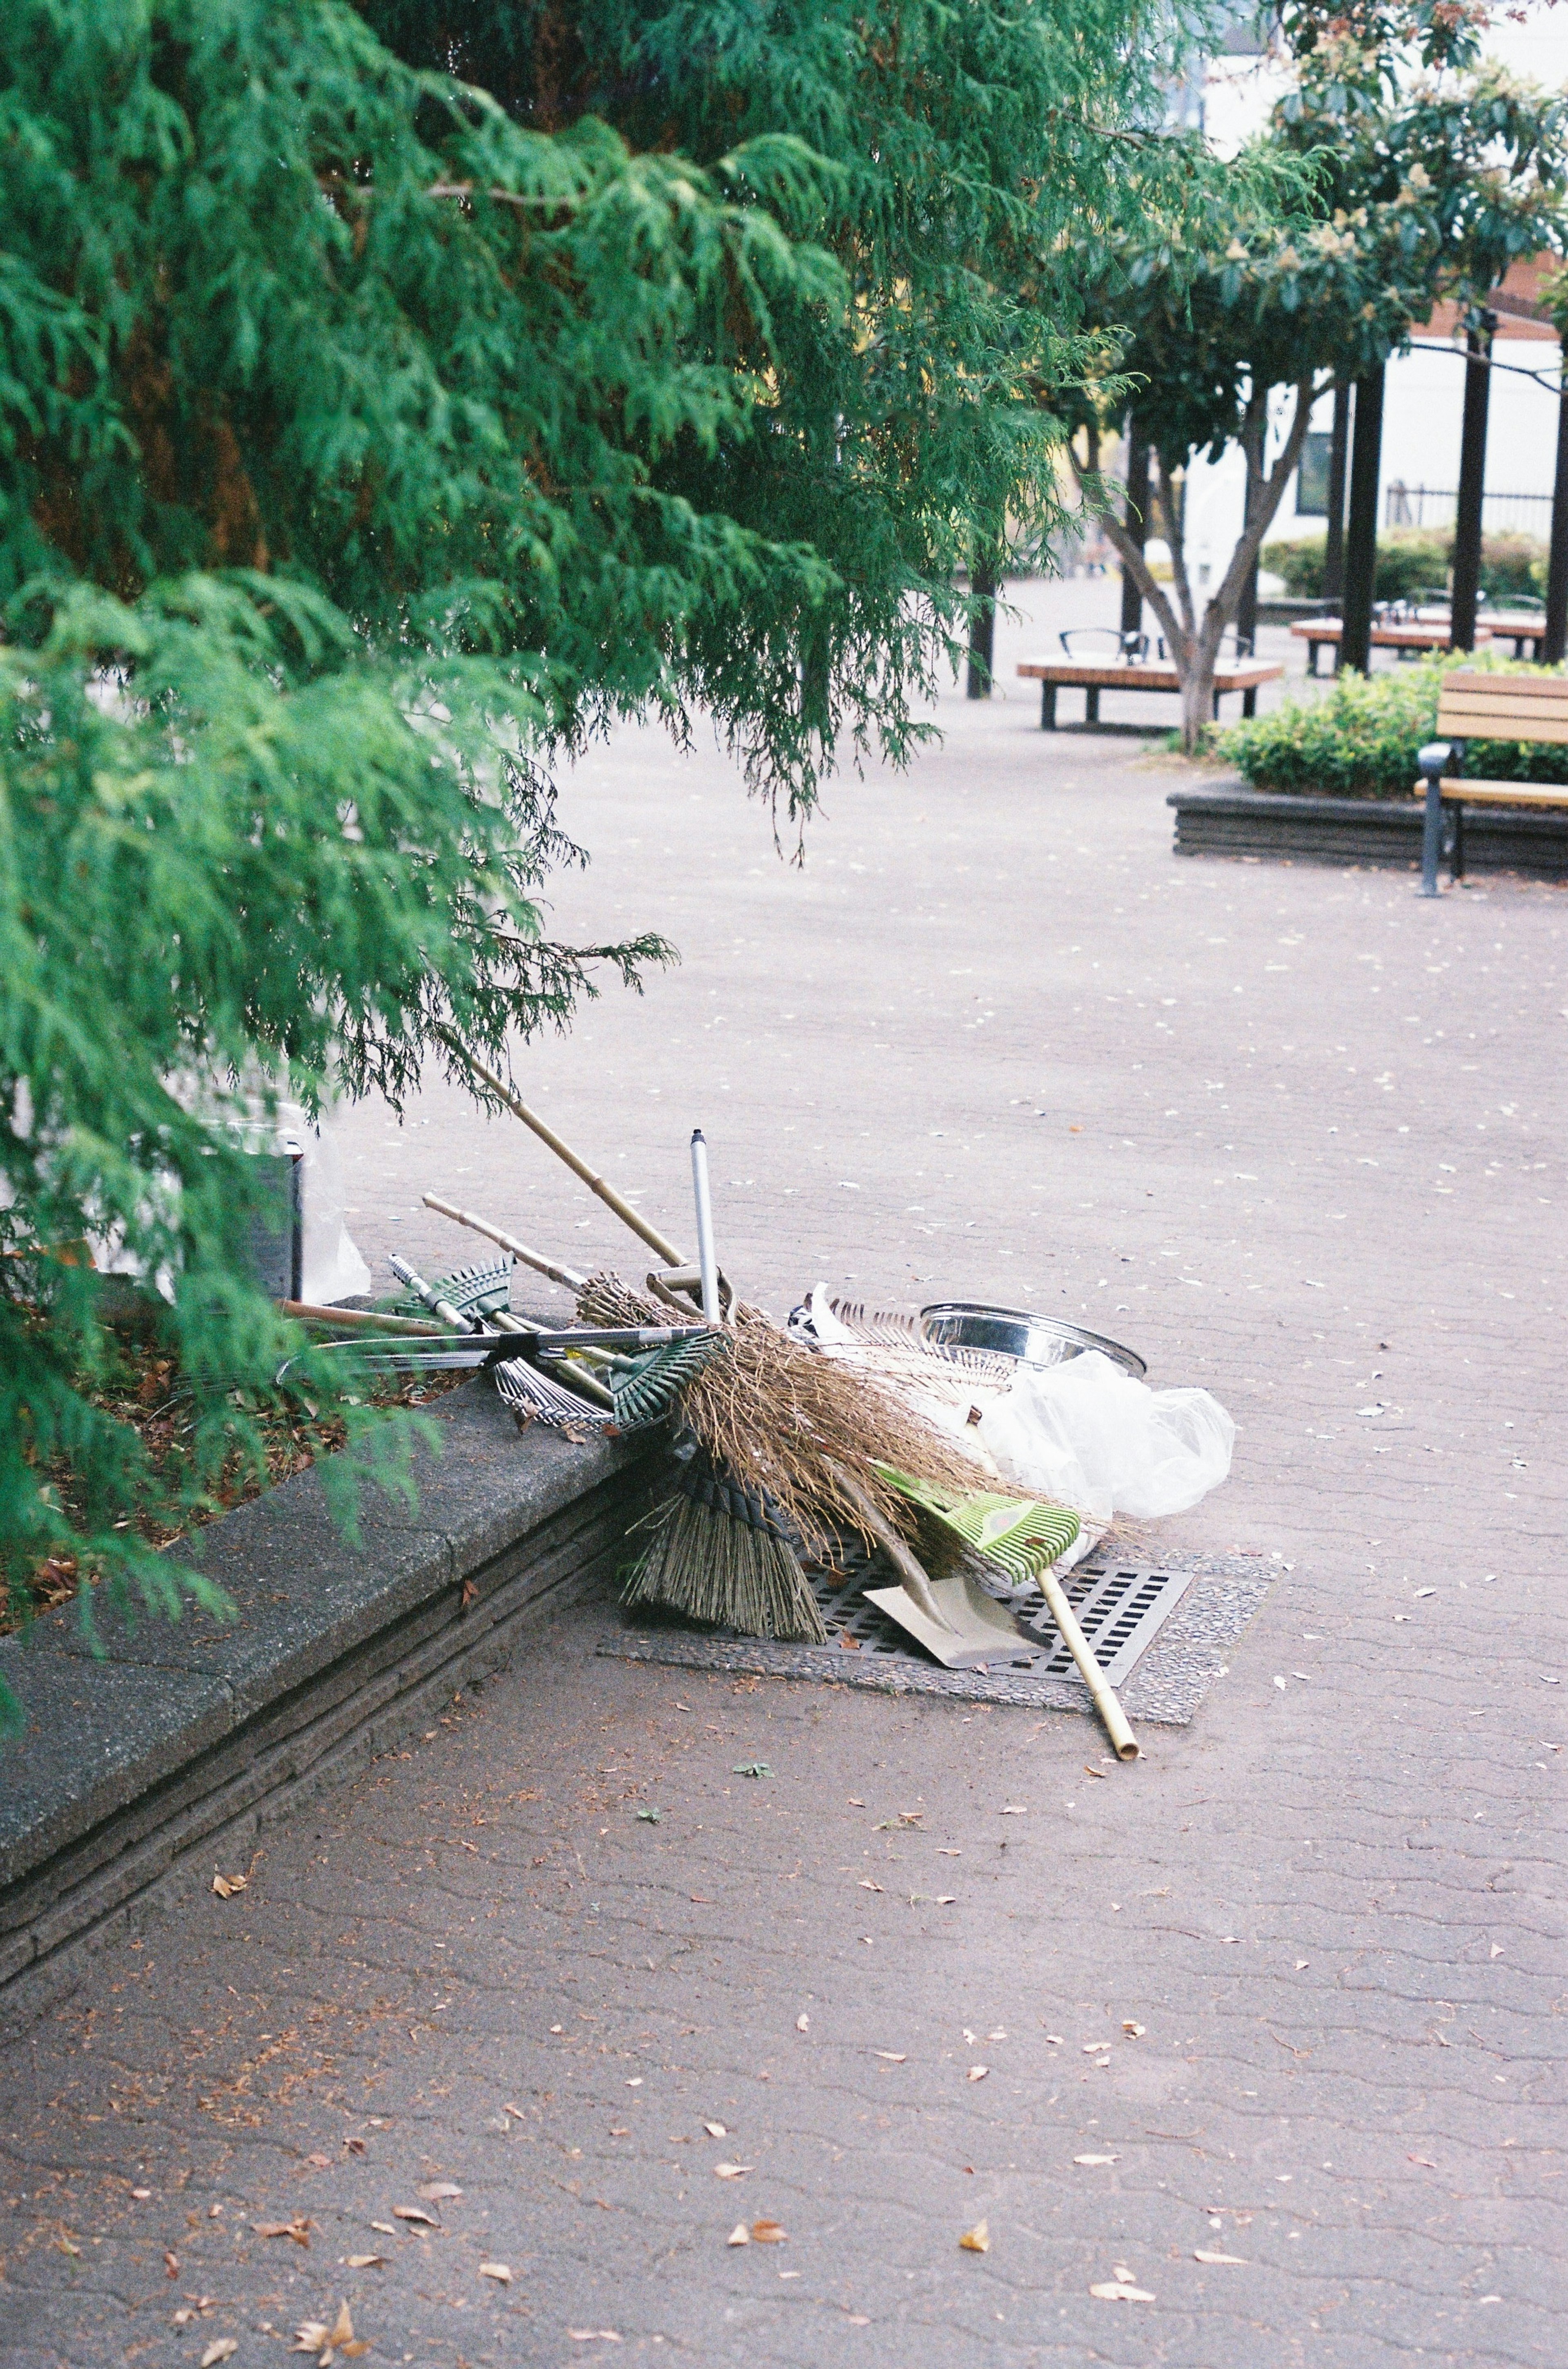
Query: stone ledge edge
x=205, y=1797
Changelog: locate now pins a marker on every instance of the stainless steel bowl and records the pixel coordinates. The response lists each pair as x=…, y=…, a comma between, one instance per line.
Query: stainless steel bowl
x=1014, y=1332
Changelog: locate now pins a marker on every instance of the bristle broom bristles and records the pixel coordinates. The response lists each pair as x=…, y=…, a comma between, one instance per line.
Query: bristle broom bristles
x=708, y=1565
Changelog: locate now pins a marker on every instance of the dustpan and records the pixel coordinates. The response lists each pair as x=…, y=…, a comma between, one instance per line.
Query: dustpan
x=955, y=1620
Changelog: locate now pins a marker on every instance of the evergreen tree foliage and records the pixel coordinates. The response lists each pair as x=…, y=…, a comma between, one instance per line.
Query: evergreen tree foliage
x=387, y=402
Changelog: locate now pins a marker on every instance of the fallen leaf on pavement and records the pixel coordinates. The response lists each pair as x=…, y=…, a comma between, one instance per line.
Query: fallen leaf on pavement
x=1118, y=2291
x=1134, y=2030
x=499, y=2271
x=978, y=2072
x=731, y=2171
x=1203, y=2254
x=171, y=2265
x=355, y=2146
x=434, y=2191
x=866, y=1884
x=298, y=2229
x=751, y=1769
x=415, y=2213
x=888, y=2057
x=976, y=2241
x=222, y=2347
x=716, y=2130
x=225, y=1886
x=595, y=2335
x=1095, y=1772
x=1423, y=2160
x=739, y=2236
x=768, y=2233
x=803, y=2024
x=1096, y=2159
x=385, y=2227
x=366, y=2261
x=1015, y=1810
x=315, y=2336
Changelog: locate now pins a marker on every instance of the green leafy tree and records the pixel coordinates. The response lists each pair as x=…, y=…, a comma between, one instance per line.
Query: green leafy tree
x=1410, y=187
x=384, y=408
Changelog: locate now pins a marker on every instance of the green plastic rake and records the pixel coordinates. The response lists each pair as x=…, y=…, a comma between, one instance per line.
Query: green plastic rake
x=1024, y=1538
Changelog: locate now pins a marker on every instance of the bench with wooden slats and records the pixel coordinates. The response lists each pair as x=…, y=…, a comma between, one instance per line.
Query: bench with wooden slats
x=1486, y=707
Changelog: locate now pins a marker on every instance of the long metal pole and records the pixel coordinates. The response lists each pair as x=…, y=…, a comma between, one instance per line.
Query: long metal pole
x=1472, y=485
x=1135, y=518
x=1361, y=532
x=1557, y=567
x=1339, y=452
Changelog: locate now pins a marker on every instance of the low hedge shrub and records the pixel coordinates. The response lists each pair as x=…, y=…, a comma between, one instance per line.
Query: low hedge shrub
x=1360, y=741
x=1412, y=560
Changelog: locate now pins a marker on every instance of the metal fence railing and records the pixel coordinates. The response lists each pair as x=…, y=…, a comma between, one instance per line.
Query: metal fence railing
x=1501, y=513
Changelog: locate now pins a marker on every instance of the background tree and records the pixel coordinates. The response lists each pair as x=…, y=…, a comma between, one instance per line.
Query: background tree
x=1411, y=187
x=378, y=416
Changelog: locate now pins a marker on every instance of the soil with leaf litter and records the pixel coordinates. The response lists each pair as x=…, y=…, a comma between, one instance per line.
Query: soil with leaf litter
x=148, y=1393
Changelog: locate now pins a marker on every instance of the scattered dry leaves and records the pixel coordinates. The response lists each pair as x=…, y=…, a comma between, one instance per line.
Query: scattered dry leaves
x=739, y=2236
x=977, y=2239
x=225, y=1886
x=326, y=2343
x=732, y=2170
x=415, y=2213
x=298, y=2229
x=436, y=2191
x=1206, y=2254
x=499, y=2271
x=222, y=2347
x=1120, y=2291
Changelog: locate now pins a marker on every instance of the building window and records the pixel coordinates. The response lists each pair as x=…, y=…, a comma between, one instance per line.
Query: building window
x=1313, y=476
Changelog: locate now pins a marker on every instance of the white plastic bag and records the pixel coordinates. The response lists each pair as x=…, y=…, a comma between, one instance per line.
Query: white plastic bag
x=1089, y=1435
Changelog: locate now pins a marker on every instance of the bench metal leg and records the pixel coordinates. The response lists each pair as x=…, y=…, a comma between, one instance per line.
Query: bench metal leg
x=1217, y=707
x=1312, y=649
x=1092, y=703
x=1047, y=707
x=1457, y=855
x=1249, y=702
x=1431, y=838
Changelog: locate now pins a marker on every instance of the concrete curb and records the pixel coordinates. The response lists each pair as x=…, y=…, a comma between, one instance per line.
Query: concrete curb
x=1275, y=823
x=138, y=1775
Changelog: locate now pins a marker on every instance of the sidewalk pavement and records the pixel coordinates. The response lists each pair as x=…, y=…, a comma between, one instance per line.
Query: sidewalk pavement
x=1288, y=1993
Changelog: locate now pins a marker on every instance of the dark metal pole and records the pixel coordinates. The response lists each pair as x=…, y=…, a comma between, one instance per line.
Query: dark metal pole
x=1339, y=449
x=1361, y=528
x=1557, y=565
x=1135, y=516
x=1473, y=483
x=982, y=628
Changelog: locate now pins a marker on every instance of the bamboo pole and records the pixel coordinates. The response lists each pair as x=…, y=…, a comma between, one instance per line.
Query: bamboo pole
x=357, y=1318
x=520, y=1251
x=1122, y=1737
x=578, y=1166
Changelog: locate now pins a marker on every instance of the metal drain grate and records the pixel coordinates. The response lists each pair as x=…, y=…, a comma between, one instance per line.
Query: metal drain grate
x=1120, y=1609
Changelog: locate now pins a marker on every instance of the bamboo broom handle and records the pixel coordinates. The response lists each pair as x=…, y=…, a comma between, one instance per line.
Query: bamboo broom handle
x=606, y=1193
x=356, y=1319
x=520, y=1251
x=1122, y=1737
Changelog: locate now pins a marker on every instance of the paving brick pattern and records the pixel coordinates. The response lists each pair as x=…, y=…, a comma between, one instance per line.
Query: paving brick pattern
x=1292, y=1990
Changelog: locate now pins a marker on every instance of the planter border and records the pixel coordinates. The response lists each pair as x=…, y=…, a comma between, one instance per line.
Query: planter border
x=139, y=1774
x=1231, y=819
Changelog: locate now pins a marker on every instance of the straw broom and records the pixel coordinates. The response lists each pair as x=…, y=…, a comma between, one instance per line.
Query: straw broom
x=788, y=1445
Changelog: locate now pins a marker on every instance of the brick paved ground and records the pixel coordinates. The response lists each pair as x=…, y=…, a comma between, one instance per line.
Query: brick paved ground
x=1296, y=1136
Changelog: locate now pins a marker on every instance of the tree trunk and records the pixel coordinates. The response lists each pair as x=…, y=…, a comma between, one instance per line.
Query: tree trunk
x=983, y=579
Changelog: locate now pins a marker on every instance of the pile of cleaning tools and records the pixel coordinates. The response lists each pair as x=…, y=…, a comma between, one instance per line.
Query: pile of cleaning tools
x=785, y=1448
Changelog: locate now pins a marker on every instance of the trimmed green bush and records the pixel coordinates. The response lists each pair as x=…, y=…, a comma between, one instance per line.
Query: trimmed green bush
x=1414, y=559
x=1361, y=741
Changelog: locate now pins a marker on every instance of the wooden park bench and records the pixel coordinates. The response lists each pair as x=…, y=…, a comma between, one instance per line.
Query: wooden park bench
x=1486, y=707
x=1128, y=667
x=1411, y=637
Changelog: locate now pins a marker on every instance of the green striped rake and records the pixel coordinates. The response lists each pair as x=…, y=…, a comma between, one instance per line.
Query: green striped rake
x=1024, y=1537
